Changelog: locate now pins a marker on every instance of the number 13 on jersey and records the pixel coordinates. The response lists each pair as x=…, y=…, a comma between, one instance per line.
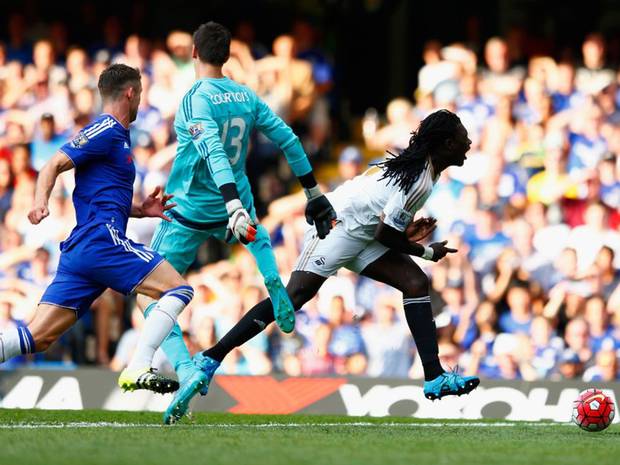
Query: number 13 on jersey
x=233, y=133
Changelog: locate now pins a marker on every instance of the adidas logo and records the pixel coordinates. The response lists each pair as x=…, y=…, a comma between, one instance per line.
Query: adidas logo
x=320, y=261
x=125, y=145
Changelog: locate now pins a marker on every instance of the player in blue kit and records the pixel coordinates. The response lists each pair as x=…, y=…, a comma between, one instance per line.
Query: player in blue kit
x=213, y=126
x=97, y=255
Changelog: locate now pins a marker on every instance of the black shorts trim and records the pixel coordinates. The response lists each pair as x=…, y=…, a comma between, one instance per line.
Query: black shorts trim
x=196, y=225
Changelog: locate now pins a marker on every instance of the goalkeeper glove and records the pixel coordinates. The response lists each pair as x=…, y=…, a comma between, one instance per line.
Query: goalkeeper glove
x=319, y=211
x=240, y=223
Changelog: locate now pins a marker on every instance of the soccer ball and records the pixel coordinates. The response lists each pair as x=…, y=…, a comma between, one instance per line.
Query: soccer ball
x=593, y=410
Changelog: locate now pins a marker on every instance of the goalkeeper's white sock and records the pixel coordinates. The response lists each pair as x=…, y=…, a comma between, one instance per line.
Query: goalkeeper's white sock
x=14, y=342
x=158, y=325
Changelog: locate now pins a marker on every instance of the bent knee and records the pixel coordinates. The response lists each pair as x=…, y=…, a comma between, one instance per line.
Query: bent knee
x=163, y=278
x=177, y=281
x=42, y=342
x=416, y=285
x=298, y=297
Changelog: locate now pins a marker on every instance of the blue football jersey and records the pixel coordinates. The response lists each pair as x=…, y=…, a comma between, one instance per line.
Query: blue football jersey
x=104, y=174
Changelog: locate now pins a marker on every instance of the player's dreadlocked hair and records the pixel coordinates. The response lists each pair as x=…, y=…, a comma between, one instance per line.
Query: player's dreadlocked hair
x=405, y=168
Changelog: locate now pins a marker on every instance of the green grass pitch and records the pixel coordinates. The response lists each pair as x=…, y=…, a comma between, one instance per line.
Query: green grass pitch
x=101, y=437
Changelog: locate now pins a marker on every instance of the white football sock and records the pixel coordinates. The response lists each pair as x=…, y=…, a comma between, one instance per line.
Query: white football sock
x=9, y=344
x=158, y=325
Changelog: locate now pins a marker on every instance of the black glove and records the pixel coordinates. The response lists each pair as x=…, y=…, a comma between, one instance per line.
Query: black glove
x=321, y=214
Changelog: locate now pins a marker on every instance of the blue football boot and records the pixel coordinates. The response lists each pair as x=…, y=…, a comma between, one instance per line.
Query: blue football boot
x=450, y=384
x=190, y=386
x=207, y=366
x=283, y=310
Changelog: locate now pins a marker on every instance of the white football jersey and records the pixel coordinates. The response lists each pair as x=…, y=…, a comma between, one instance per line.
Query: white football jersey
x=361, y=201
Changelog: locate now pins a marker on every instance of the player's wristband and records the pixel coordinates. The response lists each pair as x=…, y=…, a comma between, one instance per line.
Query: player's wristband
x=307, y=180
x=229, y=192
x=313, y=192
x=428, y=254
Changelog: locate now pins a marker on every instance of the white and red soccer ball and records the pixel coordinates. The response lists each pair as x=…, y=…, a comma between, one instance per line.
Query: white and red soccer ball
x=593, y=410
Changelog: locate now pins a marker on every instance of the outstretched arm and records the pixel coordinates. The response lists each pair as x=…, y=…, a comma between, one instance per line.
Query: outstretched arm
x=154, y=206
x=59, y=163
x=319, y=210
x=283, y=136
x=398, y=241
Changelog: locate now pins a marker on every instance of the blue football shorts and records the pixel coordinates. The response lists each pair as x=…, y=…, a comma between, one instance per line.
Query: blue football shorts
x=102, y=258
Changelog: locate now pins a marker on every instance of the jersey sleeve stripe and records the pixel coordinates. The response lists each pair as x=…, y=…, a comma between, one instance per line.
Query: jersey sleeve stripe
x=414, y=199
x=185, y=104
x=193, y=91
x=414, y=195
x=92, y=128
x=209, y=166
x=203, y=149
x=95, y=126
x=108, y=122
x=100, y=130
x=185, y=113
x=418, y=193
x=187, y=101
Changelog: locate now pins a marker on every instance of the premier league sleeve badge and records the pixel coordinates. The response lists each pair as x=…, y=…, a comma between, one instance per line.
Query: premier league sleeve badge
x=195, y=130
x=79, y=141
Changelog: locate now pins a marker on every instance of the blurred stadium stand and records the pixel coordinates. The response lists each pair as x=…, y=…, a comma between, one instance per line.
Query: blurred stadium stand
x=534, y=292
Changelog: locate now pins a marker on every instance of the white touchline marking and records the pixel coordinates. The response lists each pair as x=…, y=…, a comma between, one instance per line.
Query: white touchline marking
x=104, y=424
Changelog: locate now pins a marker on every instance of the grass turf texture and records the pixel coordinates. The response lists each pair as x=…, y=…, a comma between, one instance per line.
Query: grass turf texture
x=98, y=437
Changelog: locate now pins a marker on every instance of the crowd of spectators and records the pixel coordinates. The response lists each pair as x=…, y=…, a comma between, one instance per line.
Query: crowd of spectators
x=533, y=292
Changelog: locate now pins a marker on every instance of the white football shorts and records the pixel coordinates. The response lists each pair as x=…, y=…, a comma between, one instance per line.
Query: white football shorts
x=339, y=249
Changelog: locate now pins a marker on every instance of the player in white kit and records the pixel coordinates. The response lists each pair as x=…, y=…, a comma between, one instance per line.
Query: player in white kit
x=361, y=204
x=370, y=238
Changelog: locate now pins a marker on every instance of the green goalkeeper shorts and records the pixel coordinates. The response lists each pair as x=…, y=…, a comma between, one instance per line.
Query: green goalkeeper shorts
x=179, y=243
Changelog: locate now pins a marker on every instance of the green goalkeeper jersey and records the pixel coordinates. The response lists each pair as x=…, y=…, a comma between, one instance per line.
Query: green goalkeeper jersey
x=213, y=126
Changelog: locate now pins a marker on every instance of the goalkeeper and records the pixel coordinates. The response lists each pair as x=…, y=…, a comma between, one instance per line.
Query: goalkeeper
x=210, y=186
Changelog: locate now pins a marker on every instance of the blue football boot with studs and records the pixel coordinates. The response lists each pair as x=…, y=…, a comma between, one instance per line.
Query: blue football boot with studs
x=450, y=384
x=283, y=309
x=190, y=386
